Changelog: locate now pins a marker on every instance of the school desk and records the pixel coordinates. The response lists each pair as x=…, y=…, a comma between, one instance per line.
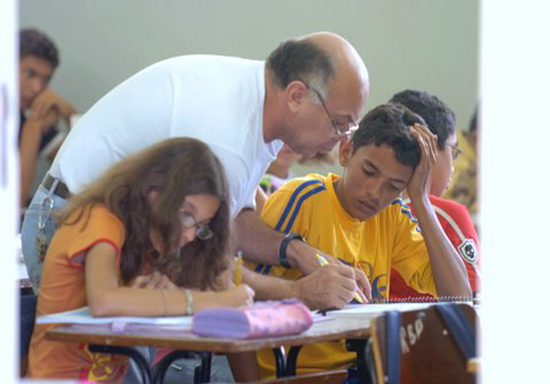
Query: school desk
x=104, y=340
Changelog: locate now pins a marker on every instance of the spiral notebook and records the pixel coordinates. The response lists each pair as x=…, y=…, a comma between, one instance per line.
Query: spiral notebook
x=368, y=311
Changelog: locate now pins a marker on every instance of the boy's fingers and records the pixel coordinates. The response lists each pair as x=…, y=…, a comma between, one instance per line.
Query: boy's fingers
x=365, y=290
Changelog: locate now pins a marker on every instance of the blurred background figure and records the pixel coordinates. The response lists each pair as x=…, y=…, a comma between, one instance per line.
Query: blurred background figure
x=463, y=186
x=40, y=108
x=279, y=171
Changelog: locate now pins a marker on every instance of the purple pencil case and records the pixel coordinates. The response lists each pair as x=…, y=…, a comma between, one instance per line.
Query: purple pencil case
x=266, y=319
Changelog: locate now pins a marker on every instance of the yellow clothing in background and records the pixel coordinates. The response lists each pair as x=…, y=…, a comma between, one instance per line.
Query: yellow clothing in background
x=463, y=186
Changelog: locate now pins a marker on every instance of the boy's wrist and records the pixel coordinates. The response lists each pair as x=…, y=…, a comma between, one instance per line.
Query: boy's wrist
x=419, y=198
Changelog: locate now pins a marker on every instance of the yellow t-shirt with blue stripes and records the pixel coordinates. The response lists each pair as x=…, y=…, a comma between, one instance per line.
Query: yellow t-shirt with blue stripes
x=391, y=239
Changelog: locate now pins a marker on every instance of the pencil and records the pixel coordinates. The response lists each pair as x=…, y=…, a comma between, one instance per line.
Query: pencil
x=322, y=262
x=238, y=268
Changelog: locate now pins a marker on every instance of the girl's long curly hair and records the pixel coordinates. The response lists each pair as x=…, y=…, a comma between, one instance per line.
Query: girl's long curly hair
x=174, y=168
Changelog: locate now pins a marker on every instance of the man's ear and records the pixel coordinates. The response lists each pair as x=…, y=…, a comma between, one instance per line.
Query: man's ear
x=295, y=93
x=345, y=151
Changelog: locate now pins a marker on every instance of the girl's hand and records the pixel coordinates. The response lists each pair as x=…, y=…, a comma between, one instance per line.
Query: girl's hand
x=236, y=297
x=419, y=185
x=155, y=280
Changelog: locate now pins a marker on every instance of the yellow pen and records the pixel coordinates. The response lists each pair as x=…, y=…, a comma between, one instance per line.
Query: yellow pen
x=322, y=262
x=238, y=268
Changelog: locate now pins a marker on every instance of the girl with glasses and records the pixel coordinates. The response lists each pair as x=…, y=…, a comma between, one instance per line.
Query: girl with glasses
x=148, y=238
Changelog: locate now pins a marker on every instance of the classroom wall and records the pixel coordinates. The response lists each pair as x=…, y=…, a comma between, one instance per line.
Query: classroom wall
x=423, y=44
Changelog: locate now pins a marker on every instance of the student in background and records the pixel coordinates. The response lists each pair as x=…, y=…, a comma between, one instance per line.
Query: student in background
x=279, y=171
x=453, y=217
x=148, y=238
x=463, y=187
x=40, y=107
x=360, y=218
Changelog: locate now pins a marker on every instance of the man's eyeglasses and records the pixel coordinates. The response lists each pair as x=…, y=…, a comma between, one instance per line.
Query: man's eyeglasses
x=455, y=151
x=188, y=221
x=339, y=129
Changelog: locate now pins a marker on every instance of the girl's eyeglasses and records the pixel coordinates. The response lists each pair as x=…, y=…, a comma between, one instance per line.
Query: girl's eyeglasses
x=188, y=221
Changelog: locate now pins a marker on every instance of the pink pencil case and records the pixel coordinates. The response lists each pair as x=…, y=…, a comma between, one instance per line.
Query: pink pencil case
x=266, y=319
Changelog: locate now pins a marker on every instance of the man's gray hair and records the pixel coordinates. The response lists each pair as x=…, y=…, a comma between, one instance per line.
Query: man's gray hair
x=304, y=61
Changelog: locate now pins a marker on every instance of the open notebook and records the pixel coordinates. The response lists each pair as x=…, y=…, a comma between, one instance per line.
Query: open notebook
x=84, y=316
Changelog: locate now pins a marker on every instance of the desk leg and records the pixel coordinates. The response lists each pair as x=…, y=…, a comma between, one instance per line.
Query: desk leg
x=361, y=346
x=280, y=363
x=291, y=361
x=132, y=353
x=159, y=371
x=206, y=364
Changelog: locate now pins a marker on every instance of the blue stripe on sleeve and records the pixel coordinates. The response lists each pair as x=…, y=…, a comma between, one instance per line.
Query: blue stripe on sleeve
x=299, y=204
x=292, y=199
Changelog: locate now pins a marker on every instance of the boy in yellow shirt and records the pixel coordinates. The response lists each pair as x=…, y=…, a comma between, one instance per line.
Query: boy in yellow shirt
x=361, y=219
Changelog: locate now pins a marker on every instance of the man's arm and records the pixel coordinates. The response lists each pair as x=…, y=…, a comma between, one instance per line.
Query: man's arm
x=449, y=273
x=260, y=244
x=332, y=286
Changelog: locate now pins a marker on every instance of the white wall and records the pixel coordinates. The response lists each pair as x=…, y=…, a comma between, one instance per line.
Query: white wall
x=423, y=44
x=515, y=159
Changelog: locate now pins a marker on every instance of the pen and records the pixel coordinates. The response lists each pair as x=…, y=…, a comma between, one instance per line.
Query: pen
x=238, y=268
x=322, y=262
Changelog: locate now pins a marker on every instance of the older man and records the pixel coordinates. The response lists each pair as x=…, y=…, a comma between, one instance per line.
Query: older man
x=308, y=94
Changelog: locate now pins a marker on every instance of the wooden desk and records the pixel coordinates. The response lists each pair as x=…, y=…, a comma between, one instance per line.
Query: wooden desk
x=105, y=340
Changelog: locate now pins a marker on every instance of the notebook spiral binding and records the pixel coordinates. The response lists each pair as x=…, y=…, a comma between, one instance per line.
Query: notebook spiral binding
x=427, y=299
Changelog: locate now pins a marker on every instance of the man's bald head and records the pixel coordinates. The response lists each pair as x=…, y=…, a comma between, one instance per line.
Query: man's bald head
x=317, y=59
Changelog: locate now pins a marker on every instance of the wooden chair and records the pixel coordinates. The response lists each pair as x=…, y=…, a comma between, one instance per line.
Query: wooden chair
x=328, y=377
x=425, y=346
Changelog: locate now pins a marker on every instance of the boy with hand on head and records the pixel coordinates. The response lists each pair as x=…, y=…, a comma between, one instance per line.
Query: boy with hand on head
x=453, y=217
x=361, y=219
x=40, y=107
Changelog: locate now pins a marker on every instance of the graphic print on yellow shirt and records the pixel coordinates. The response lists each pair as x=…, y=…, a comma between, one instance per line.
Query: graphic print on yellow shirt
x=309, y=206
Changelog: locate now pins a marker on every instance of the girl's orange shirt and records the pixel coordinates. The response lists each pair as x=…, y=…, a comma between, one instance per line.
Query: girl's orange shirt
x=63, y=288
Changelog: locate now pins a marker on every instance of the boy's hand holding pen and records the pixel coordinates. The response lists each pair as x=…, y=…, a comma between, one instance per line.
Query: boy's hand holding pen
x=358, y=296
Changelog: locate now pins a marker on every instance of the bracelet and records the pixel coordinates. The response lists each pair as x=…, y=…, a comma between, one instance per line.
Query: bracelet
x=163, y=293
x=189, y=300
x=283, y=260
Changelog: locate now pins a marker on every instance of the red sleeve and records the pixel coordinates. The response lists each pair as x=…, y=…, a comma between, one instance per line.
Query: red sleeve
x=457, y=224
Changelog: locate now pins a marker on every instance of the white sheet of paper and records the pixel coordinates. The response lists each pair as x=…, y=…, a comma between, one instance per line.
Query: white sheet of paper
x=84, y=316
x=369, y=311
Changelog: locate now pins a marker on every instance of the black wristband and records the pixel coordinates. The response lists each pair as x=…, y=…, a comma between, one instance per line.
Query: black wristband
x=283, y=260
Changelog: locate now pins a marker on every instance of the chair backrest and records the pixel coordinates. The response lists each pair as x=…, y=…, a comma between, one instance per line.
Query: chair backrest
x=432, y=345
x=328, y=377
